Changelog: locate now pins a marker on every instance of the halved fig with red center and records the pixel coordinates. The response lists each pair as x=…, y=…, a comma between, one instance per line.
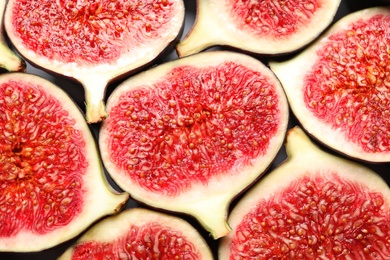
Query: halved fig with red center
x=140, y=234
x=263, y=27
x=313, y=206
x=189, y=135
x=51, y=178
x=339, y=88
x=9, y=60
x=94, y=42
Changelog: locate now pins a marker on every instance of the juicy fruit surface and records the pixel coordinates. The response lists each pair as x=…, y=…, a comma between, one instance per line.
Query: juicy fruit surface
x=41, y=161
x=349, y=85
x=321, y=216
x=193, y=124
x=148, y=241
x=278, y=19
x=89, y=31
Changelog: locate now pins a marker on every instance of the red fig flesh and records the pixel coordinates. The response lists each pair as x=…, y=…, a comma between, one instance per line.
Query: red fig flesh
x=314, y=206
x=51, y=179
x=92, y=41
x=140, y=234
x=190, y=134
x=264, y=27
x=339, y=88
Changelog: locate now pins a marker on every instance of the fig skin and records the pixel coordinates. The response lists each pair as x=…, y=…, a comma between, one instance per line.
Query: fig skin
x=305, y=160
x=43, y=197
x=95, y=74
x=342, y=127
x=205, y=196
x=116, y=229
x=9, y=60
x=215, y=26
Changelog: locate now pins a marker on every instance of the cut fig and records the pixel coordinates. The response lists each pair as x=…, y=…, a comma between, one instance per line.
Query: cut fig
x=9, y=60
x=51, y=178
x=313, y=206
x=262, y=27
x=140, y=234
x=189, y=135
x=93, y=42
x=339, y=88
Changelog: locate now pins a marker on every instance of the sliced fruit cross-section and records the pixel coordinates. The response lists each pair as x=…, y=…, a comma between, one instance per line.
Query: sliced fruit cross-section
x=52, y=184
x=190, y=134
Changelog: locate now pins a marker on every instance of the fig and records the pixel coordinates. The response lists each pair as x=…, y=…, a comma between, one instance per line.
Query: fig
x=339, y=87
x=140, y=234
x=261, y=27
x=190, y=134
x=315, y=205
x=51, y=177
x=93, y=42
x=9, y=60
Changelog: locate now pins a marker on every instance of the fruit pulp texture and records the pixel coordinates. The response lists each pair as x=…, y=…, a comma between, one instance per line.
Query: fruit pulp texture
x=42, y=160
x=278, y=19
x=349, y=85
x=89, y=31
x=148, y=241
x=324, y=216
x=193, y=124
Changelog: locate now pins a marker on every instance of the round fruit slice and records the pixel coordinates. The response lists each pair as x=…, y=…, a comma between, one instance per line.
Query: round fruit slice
x=339, y=88
x=264, y=27
x=8, y=59
x=189, y=135
x=52, y=182
x=94, y=42
x=140, y=234
x=314, y=206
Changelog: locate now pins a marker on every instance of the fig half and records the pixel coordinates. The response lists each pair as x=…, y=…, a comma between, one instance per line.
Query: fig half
x=9, y=60
x=313, y=206
x=189, y=135
x=52, y=182
x=339, y=88
x=93, y=42
x=262, y=27
x=140, y=234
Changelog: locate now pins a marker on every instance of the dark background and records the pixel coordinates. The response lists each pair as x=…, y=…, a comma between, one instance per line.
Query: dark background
x=76, y=92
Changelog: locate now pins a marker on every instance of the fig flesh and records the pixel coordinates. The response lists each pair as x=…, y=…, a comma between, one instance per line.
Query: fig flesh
x=189, y=135
x=262, y=27
x=9, y=60
x=339, y=88
x=93, y=42
x=51, y=178
x=313, y=206
x=140, y=234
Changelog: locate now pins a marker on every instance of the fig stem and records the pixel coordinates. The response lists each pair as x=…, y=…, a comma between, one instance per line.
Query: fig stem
x=95, y=88
x=202, y=34
x=298, y=142
x=211, y=214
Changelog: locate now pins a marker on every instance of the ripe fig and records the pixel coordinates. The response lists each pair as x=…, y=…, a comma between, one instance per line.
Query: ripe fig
x=262, y=27
x=93, y=42
x=189, y=135
x=9, y=60
x=313, y=206
x=51, y=178
x=339, y=88
x=140, y=234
